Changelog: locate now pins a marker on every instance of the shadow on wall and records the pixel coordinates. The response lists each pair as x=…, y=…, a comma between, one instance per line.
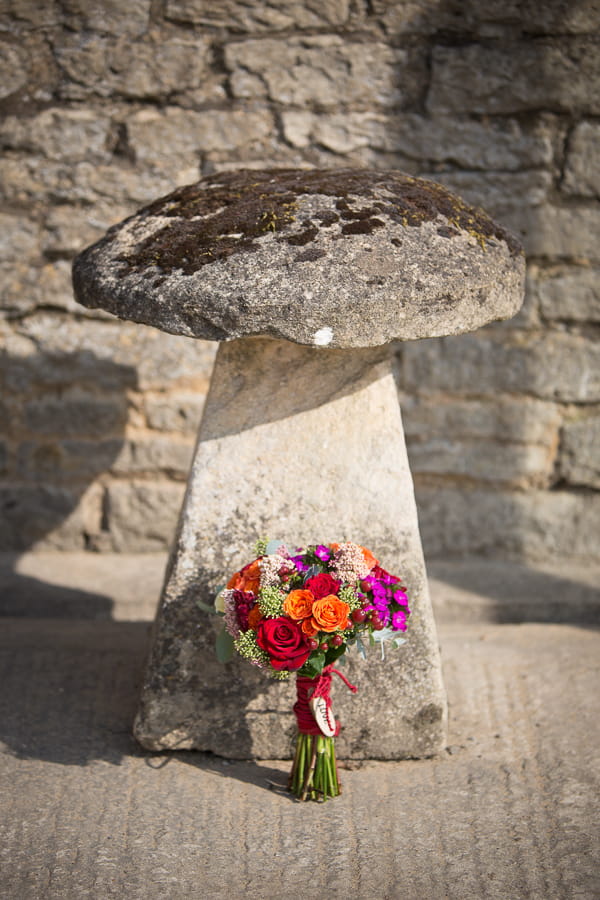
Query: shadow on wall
x=64, y=418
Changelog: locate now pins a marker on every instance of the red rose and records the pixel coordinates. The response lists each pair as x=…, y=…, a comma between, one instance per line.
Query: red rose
x=284, y=641
x=323, y=585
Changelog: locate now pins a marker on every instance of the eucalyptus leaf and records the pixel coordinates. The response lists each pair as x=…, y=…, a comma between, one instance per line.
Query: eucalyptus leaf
x=272, y=547
x=314, y=570
x=361, y=647
x=384, y=635
x=224, y=646
x=205, y=607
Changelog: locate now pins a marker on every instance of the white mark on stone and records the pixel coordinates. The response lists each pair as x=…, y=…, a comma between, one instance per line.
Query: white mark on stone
x=323, y=337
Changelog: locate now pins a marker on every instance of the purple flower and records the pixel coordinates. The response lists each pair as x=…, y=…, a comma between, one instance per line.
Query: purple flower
x=323, y=553
x=298, y=561
x=399, y=620
x=401, y=598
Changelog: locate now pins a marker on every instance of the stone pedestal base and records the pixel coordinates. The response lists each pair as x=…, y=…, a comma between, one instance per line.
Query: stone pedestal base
x=305, y=446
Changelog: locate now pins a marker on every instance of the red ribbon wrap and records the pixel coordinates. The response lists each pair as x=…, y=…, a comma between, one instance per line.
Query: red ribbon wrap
x=310, y=688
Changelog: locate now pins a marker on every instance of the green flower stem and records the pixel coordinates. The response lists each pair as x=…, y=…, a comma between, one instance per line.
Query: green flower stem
x=314, y=774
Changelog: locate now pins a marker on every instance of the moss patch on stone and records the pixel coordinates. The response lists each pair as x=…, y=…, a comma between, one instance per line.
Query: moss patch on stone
x=226, y=213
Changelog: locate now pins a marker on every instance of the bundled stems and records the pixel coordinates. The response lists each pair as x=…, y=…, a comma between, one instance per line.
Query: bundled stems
x=314, y=774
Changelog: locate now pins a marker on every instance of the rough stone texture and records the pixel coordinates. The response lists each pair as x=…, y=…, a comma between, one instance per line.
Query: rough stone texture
x=525, y=75
x=582, y=173
x=248, y=16
x=569, y=293
x=270, y=461
x=351, y=258
x=534, y=526
x=506, y=440
x=580, y=452
x=498, y=100
x=322, y=70
x=495, y=362
x=156, y=67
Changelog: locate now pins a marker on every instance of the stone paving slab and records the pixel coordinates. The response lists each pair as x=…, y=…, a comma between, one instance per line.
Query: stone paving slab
x=510, y=810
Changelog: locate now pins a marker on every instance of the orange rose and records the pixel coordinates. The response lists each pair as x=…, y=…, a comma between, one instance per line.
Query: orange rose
x=369, y=558
x=309, y=627
x=254, y=617
x=298, y=604
x=330, y=613
x=247, y=579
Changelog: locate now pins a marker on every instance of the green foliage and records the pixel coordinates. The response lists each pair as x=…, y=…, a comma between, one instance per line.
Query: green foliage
x=224, y=646
x=313, y=666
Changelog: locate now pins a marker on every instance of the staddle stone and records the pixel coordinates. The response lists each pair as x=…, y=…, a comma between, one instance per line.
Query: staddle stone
x=304, y=276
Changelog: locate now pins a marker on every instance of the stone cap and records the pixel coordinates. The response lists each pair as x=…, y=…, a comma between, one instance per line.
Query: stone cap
x=333, y=257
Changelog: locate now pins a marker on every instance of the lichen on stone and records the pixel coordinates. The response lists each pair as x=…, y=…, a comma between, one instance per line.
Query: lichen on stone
x=227, y=213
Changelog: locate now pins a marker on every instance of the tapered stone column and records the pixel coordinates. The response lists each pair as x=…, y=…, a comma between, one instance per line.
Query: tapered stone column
x=301, y=437
x=305, y=449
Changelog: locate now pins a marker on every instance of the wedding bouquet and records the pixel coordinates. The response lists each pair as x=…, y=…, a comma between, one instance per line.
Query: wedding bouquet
x=299, y=611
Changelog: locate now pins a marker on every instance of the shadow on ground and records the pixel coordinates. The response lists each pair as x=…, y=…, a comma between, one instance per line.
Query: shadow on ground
x=71, y=689
x=504, y=592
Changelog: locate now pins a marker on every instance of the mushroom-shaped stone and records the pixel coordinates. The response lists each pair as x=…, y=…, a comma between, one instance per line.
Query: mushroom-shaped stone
x=337, y=258
x=300, y=443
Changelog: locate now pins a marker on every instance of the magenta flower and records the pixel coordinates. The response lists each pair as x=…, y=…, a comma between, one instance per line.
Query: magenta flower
x=399, y=620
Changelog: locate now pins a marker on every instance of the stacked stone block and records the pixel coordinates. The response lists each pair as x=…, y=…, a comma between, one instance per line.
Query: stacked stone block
x=105, y=106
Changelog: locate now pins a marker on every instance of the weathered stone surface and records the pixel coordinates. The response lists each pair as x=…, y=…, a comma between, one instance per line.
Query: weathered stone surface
x=13, y=70
x=35, y=180
x=582, y=171
x=246, y=15
x=19, y=254
x=533, y=525
x=65, y=462
x=155, y=67
x=515, y=465
x=142, y=514
x=569, y=292
x=327, y=258
x=510, y=419
x=69, y=228
x=108, y=17
x=169, y=137
x=570, y=232
x=76, y=411
x=488, y=144
x=27, y=287
x=580, y=451
x=512, y=77
x=178, y=411
x=108, y=354
x=269, y=460
x=504, y=194
x=27, y=13
x=524, y=16
x=164, y=455
x=505, y=440
x=45, y=517
x=68, y=135
x=512, y=362
x=323, y=70
x=496, y=18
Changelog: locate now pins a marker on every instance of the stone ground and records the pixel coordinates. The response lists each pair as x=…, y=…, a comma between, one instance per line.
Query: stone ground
x=510, y=810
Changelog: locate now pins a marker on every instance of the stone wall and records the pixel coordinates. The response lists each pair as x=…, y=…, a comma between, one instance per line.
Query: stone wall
x=106, y=105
